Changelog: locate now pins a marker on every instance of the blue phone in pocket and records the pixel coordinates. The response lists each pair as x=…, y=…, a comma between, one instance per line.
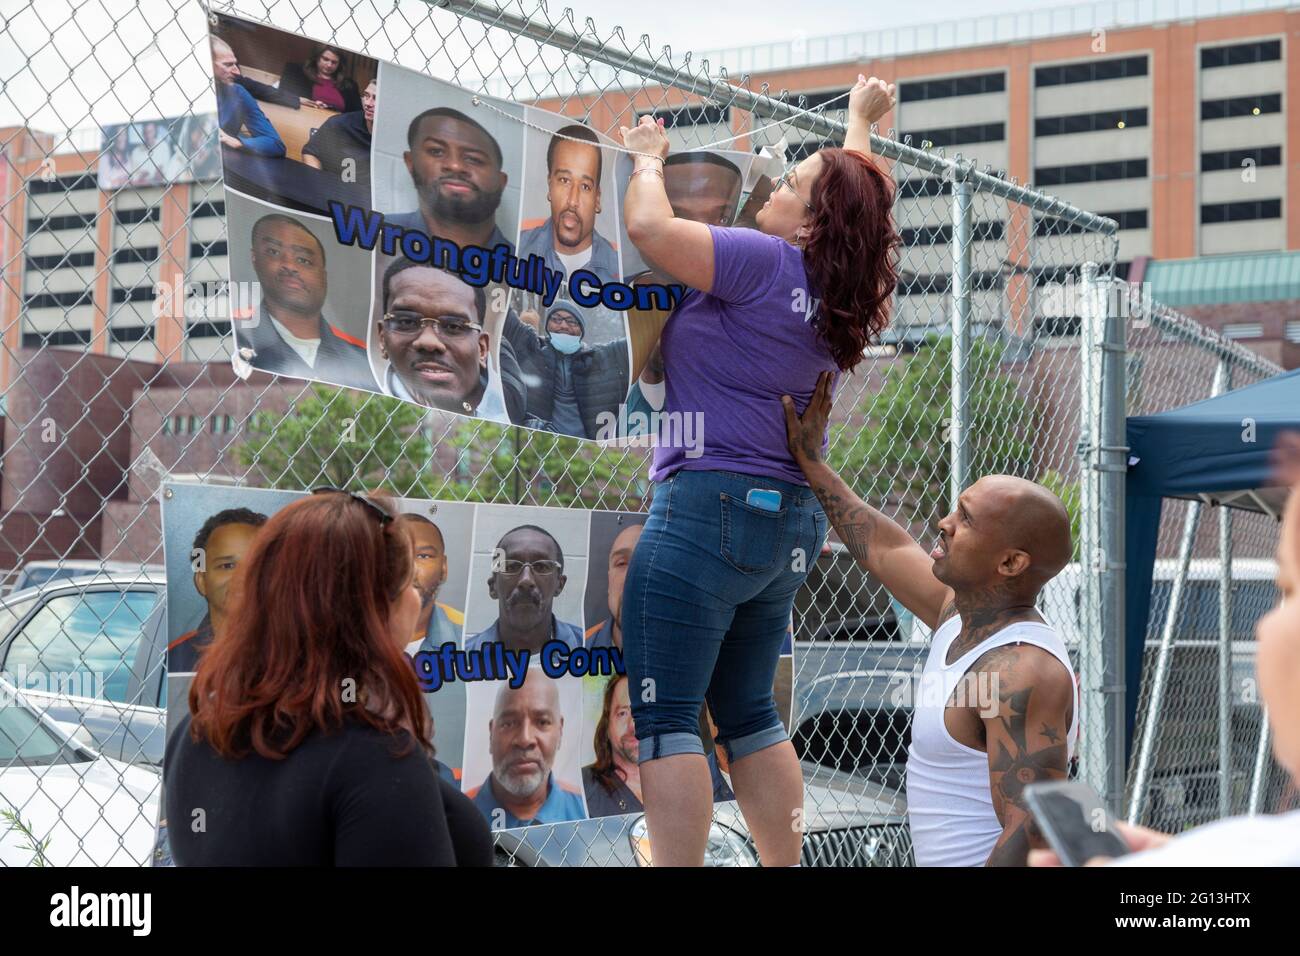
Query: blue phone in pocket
x=764, y=498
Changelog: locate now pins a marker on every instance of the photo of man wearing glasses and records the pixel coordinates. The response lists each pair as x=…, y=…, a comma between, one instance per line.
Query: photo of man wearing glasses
x=527, y=576
x=431, y=335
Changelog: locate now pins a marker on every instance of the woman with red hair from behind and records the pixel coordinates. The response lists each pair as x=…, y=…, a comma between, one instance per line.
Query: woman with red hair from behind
x=733, y=525
x=308, y=742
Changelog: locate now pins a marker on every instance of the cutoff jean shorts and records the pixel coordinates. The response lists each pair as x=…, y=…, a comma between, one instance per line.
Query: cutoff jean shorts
x=706, y=609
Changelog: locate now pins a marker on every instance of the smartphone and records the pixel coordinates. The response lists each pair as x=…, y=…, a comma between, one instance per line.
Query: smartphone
x=1074, y=822
x=765, y=498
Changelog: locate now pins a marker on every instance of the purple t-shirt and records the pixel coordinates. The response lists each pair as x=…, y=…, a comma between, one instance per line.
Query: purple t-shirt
x=731, y=354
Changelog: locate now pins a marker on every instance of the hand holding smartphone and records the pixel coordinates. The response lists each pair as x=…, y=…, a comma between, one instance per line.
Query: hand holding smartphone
x=1074, y=822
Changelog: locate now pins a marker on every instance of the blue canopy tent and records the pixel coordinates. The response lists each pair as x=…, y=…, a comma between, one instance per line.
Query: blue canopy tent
x=1215, y=451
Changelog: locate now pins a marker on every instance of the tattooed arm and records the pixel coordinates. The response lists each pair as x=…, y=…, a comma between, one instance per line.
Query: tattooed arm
x=880, y=545
x=1025, y=739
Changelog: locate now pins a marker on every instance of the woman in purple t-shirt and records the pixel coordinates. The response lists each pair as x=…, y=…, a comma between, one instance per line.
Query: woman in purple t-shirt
x=733, y=525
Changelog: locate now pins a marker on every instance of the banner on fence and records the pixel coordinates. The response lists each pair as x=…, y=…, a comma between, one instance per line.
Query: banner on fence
x=395, y=233
x=473, y=650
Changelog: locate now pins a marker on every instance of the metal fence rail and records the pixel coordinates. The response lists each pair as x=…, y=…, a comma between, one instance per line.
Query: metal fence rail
x=1001, y=357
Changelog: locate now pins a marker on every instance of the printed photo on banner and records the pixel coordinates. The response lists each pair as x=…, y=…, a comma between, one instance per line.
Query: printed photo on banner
x=300, y=301
x=522, y=748
x=445, y=167
x=207, y=530
x=574, y=356
x=296, y=116
x=703, y=186
x=435, y=340
x=157, y=152
x=526, y=575
x=613, y=539
x=440, y=533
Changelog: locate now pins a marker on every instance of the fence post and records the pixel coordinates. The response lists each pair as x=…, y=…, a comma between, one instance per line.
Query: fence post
x=1112, y=464
x=1142, y=776
x=962, y=191
x=1103, y=464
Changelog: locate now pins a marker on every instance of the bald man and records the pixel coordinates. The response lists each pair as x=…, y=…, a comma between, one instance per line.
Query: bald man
x=609, y=633
x=237, y=111
x=524, y=737
x=997, y=706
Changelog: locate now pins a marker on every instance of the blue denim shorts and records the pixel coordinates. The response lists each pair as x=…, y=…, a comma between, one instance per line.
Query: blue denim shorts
x=706, y=608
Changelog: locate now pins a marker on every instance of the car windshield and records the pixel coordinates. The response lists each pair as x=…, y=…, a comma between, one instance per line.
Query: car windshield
x=26, y=741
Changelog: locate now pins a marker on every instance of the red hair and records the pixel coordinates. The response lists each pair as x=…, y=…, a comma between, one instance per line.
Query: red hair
x=851, y=253
x=309, y=614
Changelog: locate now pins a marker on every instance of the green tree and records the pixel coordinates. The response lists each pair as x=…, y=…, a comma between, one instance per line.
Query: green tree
x=895, y=445
x=342, y=438
x=520, y=466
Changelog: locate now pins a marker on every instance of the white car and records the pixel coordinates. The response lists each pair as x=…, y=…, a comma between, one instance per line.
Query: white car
x=79, y=807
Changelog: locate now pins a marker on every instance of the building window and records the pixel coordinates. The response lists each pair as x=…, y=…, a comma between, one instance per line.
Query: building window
x=1241, y=106
x=690, y=115
x=952, y=86
x=132, y=254
x=928, y=186
x=1243, y=330
x=62, y=184
x=1236, y=158
x=1241, y=211
x=126, y=217
x=1240, y=53
x=952, y=135
x=40, y=340
x=203, y=330
x=938, y=235
x=198, y=250
x=53, y=223
x=130, y=333
x=1090, y=172
x=59, y=300
x=141, y=293
x=1055, y=226
x=1091, y=71
x=66, y=260
x=1090, y=122
x=1293, y=330
x=208, y=207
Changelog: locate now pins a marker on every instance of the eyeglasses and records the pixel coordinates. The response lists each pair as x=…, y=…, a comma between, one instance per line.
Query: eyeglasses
x=380, y=512
x=411, y=324
x=541, y=569
x=784, y=180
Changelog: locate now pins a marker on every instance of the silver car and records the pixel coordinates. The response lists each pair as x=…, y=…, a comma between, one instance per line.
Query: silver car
x=88, y=653
x=849, y=820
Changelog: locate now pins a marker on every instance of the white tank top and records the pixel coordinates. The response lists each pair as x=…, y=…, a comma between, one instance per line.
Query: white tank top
x=949, y=804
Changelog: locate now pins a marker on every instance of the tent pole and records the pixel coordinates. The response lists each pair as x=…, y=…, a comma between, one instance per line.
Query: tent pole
x=1261, y=762
x=1159, y=681
x=1225, y=661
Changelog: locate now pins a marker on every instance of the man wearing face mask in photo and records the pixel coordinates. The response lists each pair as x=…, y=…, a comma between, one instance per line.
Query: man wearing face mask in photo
x=569, y=384
x=437, y=350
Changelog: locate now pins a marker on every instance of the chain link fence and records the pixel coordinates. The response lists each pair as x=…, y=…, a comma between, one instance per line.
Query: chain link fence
x=993, y=363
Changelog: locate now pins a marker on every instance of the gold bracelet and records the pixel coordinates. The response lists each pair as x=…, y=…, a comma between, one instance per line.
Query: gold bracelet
x=648, y=169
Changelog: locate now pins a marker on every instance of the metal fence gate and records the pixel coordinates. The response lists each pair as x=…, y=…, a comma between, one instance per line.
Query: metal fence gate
x=1005, y=354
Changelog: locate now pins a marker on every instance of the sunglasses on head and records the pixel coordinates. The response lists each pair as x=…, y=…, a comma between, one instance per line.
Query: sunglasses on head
x=380, y=512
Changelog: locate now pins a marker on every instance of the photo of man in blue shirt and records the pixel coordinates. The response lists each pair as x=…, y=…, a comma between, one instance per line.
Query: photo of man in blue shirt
x=237, y=110
x=524, y=736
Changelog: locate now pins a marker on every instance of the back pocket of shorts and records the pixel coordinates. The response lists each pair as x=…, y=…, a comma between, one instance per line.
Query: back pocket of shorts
x=751, y=537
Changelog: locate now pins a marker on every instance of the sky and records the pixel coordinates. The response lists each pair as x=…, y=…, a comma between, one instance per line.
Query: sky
x=73, y=64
